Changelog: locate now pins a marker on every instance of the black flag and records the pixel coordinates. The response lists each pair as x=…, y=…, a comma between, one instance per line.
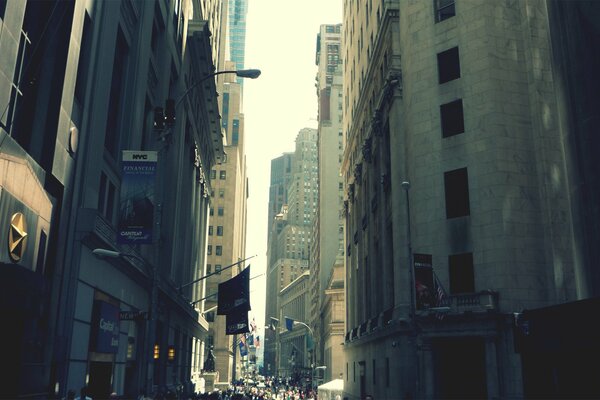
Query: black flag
x=236, y=321
x=235, y=294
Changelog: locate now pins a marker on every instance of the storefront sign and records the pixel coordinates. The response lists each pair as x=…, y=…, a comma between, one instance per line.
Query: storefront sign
x=132, y=315
x=105, y=328
x=136, y=212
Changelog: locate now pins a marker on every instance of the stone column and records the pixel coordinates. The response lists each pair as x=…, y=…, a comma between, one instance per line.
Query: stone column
x=491, y=368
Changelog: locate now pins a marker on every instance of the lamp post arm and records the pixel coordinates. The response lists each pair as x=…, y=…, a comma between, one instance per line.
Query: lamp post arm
x=214, y=273
x=188, y=90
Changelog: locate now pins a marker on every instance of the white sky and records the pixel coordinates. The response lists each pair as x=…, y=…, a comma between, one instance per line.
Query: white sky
x=281, y=37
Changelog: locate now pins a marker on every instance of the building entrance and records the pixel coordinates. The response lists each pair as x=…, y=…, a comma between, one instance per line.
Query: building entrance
x=460, y=368
x=100, y=383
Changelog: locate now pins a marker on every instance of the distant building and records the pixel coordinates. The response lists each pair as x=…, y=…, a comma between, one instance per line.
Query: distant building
x=328, y=228
x=290, y=235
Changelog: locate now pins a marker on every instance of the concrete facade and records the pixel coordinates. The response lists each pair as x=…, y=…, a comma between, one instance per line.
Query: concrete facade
x=328, y=229
x=509, y=247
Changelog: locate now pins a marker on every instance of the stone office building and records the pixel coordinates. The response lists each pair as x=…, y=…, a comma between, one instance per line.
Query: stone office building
x=464, y=205
x=83, y=81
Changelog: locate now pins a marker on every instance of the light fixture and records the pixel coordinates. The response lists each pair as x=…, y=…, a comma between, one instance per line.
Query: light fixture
x=156, y=351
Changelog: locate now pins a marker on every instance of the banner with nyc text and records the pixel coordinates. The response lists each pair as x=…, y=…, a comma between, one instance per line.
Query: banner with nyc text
x=136, y=208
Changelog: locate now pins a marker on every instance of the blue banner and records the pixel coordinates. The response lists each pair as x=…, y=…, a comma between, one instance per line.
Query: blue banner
x=105, y=328
x=136, y=211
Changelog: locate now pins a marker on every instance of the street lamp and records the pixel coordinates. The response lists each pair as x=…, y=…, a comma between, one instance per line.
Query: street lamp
x=315, y=369
x=171, y=105
x=406, y=186
x=151, y=325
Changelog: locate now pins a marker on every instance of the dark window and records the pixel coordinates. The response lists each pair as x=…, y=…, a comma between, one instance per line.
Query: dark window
x=235, y=132
x=222, y=175
x=374, y=374
x=209, y=251
x=456, y=185
x=444, y=9
x=2, y=8
x=448, y=65
x=208, y=268
x=210, y=230
x=212, y=211
x=221, y=193
x=219, y=250
x=218, y=268
x=219, y=230
x=213, y=174
x=111, y=139
x=462, y=279
x=387, y=372
x=451, y=115
x=84, y=60
x=220, y=211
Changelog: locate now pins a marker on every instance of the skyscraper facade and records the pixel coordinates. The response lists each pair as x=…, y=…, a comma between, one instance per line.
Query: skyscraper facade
x=328, y=227
x=289, y=246
x=238, y=9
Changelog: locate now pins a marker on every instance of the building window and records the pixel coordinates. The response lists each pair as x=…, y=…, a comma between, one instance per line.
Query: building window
x=208, y=268
x=212, y=211
x=222, y=175
x=448, y=65
x=117, y=94
x=209, y=251
x=374, y=374
x=221, y=193
x=220, y=211
x=387, y=372
x=452, y=118
x=219, y=250
x=219, y=230
x=218, y=268
x=462, y=278
x=213, y=174
x=444, y=9
x=106, y=197
x=456, y=185
x=210, y=230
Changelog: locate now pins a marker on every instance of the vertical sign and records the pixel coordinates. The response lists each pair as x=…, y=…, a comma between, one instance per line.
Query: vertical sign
x=423, y=266
x=136, y=211
x=105, y=328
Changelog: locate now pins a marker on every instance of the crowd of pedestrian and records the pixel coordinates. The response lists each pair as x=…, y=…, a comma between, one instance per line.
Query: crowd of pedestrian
x=267, y=389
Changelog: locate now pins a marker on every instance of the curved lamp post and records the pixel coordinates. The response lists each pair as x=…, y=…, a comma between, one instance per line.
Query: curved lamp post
x=171, y=105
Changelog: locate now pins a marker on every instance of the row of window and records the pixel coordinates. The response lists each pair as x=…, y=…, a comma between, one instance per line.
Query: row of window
x=222, y=174
x=219, y=230
x=218, y=250
x=220, y=211
x=209, y=268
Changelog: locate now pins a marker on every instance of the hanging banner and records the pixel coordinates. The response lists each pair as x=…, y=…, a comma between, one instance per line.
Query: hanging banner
x=136, y=211
x=424, y=285
x=236, y=322
x=235, y=294
x=104, y=328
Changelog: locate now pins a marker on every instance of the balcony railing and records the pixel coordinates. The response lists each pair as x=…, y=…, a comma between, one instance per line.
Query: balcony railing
x=486, y=300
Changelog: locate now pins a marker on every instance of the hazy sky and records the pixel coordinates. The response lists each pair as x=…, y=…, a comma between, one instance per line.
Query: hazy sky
x=281, y=41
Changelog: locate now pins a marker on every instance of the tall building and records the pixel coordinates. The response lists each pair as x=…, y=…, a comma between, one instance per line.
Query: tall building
x=328, y=229
x=227, y=230
x=238, y=9
x=290, y=235
x=462, y=121
x=96, y=269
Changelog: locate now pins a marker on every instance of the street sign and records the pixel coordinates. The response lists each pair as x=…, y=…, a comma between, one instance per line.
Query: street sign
x=133, y=315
